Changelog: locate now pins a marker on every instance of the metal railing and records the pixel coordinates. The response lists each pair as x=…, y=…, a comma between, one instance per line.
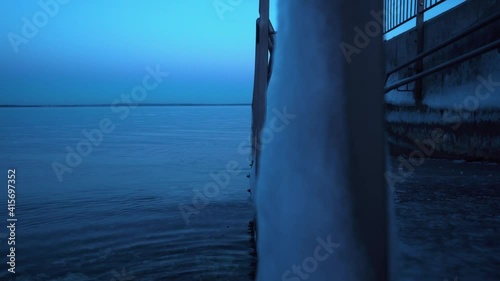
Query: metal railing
x=398, y=12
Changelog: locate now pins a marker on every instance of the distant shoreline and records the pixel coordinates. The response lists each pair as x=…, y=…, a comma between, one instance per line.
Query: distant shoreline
x=126, y=104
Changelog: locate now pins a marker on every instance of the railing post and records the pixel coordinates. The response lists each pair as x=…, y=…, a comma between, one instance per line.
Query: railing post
x=417, y=94
x=260, y=80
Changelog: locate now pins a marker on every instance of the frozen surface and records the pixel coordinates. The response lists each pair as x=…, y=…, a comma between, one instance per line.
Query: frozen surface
x=305, y=190
x=446, y=118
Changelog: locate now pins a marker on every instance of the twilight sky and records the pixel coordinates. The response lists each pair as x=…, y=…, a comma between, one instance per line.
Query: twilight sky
x=93, y=51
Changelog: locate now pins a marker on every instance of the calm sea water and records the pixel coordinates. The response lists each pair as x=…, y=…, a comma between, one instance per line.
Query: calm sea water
x=116, y=215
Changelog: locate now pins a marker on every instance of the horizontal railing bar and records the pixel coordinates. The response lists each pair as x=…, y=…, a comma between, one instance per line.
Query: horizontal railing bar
x=446, y=43
x=478, y=51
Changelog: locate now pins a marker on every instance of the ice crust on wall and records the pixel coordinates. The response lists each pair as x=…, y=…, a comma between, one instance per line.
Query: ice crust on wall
x=314, y=174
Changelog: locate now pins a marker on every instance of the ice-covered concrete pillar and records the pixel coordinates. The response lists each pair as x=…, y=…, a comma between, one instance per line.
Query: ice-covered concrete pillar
x=321, y=197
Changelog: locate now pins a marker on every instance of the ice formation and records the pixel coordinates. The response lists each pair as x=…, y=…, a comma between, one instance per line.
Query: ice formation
x=321, y=197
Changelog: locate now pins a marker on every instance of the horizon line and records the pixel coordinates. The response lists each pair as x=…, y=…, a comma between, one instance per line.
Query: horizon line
x=123, y=104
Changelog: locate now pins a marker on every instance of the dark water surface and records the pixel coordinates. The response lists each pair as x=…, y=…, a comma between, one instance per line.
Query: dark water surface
x=448, y=216
x=116, y=215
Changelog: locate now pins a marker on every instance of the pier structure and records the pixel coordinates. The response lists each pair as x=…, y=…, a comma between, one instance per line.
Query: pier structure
x=437, y=59
x=443, y=81
x=428, y=68
x=352, y=137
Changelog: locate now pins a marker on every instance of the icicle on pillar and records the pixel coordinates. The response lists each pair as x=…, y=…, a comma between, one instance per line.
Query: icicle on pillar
x=321, y=194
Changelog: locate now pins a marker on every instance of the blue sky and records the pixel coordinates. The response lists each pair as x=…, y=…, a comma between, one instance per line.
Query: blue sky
x=446, y=5
x=93, y=51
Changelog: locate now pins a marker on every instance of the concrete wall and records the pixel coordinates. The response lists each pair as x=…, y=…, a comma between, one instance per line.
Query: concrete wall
x=461, y=103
